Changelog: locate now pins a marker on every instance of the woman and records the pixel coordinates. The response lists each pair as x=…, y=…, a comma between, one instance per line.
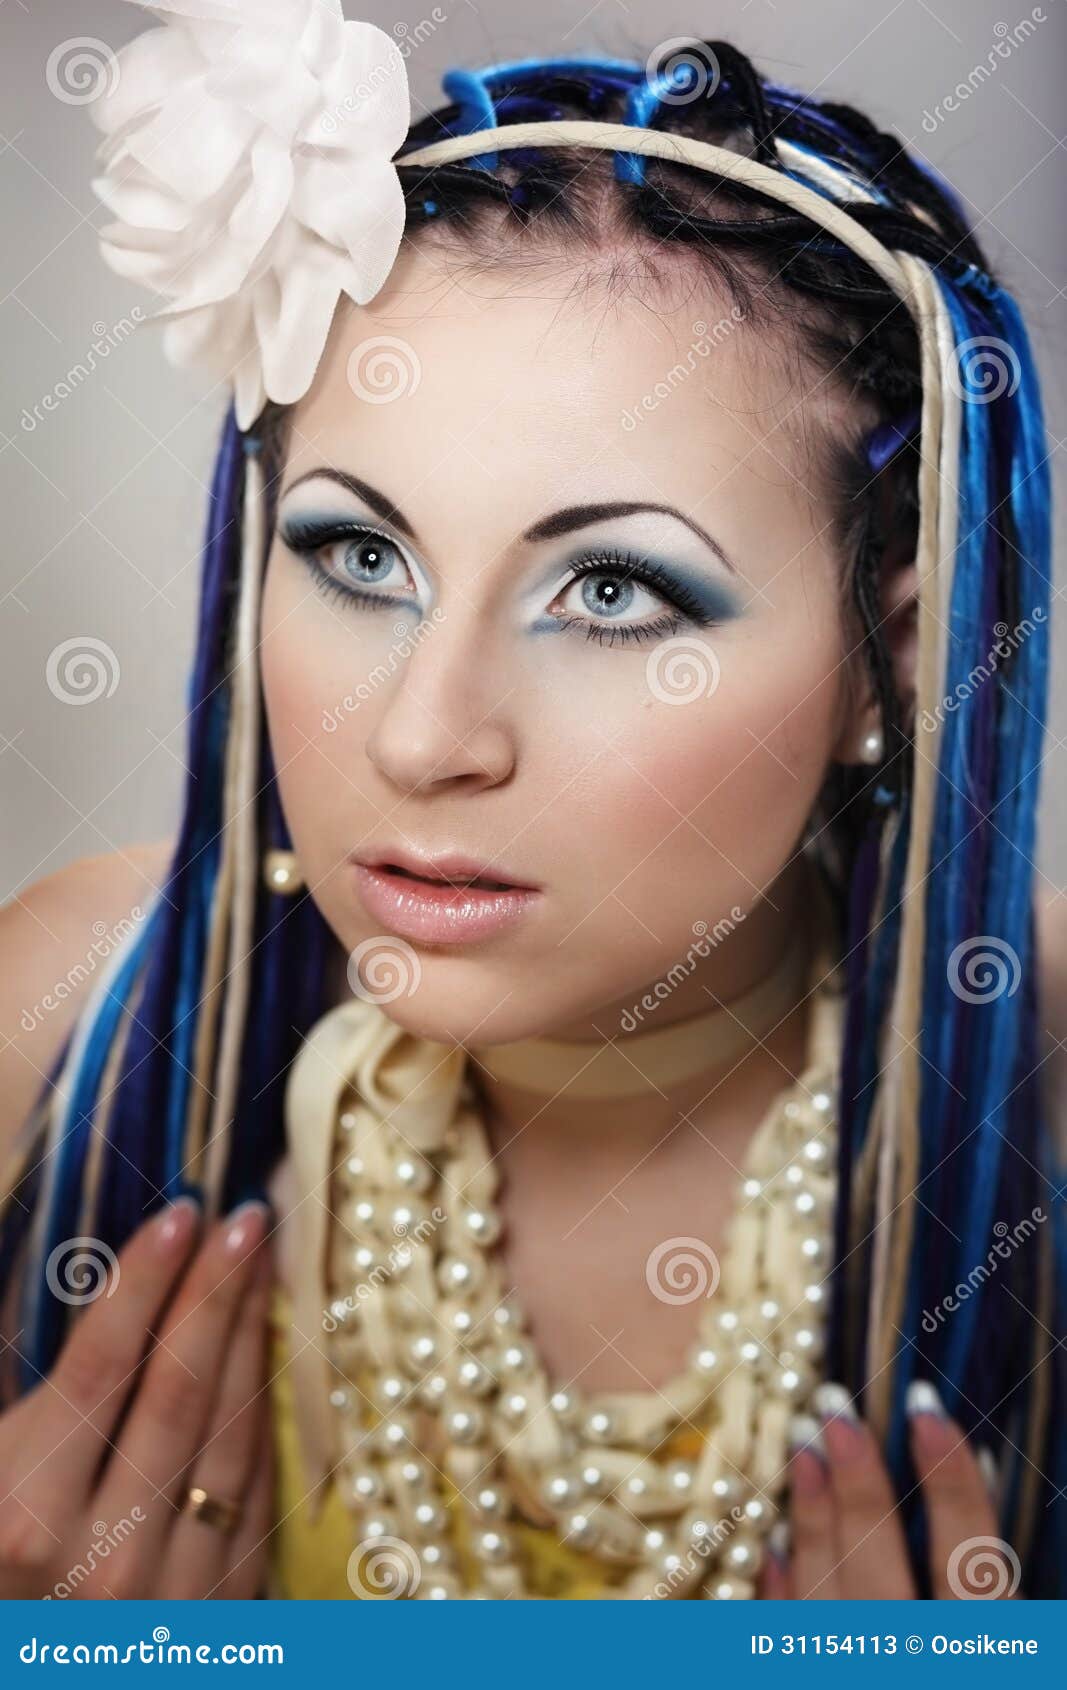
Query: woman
x=601, y=920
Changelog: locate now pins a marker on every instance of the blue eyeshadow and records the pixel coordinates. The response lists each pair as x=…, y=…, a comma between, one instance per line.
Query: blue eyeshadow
x=716, y=601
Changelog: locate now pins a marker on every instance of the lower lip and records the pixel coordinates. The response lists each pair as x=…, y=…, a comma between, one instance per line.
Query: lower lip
x=437, y=913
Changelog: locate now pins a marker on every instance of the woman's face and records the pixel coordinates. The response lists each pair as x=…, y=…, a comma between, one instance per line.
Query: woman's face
x=590, y=642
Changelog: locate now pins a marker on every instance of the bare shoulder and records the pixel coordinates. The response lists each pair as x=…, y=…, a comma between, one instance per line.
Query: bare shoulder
x=1052, y=1008
x=55, y=937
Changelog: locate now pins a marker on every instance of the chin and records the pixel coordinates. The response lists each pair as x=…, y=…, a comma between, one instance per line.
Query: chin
x=476, y=1013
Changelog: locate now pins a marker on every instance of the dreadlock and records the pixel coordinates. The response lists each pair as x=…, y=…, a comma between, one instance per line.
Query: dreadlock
x=144, y=1059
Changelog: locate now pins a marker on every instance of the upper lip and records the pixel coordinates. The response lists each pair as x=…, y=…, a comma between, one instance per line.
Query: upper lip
x=445, y=866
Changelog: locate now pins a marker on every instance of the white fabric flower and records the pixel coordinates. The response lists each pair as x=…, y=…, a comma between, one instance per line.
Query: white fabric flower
x=247, y=160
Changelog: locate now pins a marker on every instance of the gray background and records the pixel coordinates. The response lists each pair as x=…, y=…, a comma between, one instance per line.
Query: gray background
x=104, y=499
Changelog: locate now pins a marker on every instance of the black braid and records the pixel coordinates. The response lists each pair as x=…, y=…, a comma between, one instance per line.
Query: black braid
x=740, y=75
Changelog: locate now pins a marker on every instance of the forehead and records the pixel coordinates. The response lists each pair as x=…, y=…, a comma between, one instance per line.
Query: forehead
x=522, y=386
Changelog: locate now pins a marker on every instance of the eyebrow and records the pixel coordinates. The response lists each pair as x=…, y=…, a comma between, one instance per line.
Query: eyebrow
x=548, y=528
x=581, y=516
x=378, y=502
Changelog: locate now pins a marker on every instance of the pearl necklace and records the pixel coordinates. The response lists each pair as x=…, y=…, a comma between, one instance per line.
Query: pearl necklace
x=450, y=1432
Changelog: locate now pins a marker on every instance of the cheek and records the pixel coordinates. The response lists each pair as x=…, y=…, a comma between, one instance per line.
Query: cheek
x=307, y=672
x=295, y=689
x=315, y=658
x=700, y=802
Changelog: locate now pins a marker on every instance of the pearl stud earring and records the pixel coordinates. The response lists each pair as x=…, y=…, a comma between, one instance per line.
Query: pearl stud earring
x=281, y=872
x=872, y=746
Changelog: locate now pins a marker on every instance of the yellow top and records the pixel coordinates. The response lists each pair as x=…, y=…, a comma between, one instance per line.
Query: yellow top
x=309, y=1558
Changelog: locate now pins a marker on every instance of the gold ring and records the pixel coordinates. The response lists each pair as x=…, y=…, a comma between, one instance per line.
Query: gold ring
x=217, y=1511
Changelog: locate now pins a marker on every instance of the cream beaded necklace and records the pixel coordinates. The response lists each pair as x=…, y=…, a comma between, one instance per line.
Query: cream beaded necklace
x=446, y=1433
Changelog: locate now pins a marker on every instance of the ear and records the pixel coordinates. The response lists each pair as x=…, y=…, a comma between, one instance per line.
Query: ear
x=898, y=629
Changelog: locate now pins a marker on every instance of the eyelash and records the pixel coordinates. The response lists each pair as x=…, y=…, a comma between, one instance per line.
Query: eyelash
x=628, y=566
x=307, y=543
x=307, y=540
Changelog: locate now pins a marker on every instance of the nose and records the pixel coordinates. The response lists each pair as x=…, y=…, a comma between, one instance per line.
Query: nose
x=442, y=720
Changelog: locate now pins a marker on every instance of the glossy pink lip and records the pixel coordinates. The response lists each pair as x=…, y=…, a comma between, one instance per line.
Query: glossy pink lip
x=437, y=912
x=446, y=866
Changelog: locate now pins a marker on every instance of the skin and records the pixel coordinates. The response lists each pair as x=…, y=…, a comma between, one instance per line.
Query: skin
x=636, y=816
x=549, y=751
x=162, y=1377
x=553, y=753
x=845, y=1535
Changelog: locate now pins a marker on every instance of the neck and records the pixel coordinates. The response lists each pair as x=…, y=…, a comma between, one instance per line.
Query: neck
x=625, y=1130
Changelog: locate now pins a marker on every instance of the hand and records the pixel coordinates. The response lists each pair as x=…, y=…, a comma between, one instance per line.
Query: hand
x=95, y=1460
x=846, y=1536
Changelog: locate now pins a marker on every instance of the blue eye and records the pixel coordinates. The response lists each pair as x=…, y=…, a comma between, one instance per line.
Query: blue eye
x=603, y=593
x=347, y=558
x=368, y=561
x=634, y=598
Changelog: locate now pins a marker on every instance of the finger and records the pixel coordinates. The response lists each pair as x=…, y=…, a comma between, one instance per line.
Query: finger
x=775, y=1584
x=168, y=1417
x=967, y=1556
x=198, y=1552
x=871, y=1547
x=250, y=1545
x=55, y=1437
x=813, y=1563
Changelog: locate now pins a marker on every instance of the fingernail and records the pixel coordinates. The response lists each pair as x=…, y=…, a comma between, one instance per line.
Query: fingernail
x=806, y=1433
x=179, y=1220
x=246, y=1202
x=831, y=1399
x=247, y=1224
x=841, y=1428
x=778, y=1542
x=922, y=1398
x=987, y=1462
